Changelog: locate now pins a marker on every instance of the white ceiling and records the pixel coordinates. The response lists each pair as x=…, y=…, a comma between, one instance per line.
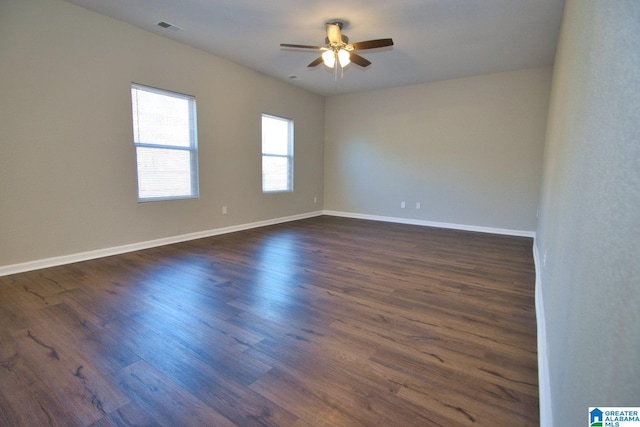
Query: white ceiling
x=433, y=39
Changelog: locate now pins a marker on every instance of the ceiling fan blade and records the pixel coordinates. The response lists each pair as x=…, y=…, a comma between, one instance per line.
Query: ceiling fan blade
x=316, y=62
x=333, y=34
x=370, y=44
x=302, y=46
x=359, y=60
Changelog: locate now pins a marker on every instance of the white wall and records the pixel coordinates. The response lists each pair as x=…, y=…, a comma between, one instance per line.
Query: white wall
x=589, y=226
x=67, y=164
x=469, y=150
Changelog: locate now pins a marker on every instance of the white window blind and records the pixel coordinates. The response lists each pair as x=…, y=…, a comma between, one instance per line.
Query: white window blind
x=164, y=136
x=277, y=154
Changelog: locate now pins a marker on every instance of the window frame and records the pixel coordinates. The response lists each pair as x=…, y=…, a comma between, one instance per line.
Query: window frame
x=192, y=148
x=289, y=156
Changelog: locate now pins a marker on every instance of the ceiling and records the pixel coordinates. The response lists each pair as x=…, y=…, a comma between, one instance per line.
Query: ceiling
x=433, y=39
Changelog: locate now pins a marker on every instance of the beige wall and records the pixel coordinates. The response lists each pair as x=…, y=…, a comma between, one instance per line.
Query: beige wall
x=468, y=150
x=67, y=165
x=588, y=237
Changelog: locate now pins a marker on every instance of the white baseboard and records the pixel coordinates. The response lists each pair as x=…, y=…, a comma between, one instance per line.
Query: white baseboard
x=544, y=385
x=84, y=256
x=491, y=230
x=99, y=253
x=543, y=368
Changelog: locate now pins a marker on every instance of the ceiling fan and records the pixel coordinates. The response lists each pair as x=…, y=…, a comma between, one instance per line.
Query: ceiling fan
x=338, y=50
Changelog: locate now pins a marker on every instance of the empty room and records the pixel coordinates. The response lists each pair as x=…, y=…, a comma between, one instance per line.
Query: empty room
x=304, y=213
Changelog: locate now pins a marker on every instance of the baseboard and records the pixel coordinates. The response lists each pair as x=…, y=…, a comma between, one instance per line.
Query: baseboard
x=546, y=419
x=544, y=385
x=99, y=253
x=491, y=230
x=84, y=256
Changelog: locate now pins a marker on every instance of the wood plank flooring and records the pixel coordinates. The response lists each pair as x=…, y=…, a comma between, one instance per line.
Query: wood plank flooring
x=321, y=322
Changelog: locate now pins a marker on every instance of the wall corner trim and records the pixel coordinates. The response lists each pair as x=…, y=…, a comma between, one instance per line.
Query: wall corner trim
x=99, y=253
x=544, y=385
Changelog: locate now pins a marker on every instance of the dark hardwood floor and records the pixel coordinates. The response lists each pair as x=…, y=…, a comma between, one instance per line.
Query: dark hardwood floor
x=320, y=322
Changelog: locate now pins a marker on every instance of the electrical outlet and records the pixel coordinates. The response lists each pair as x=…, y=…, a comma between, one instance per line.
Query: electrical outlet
x=403, y=205
x=315, y=200
x=224, y=210
x=417, y=205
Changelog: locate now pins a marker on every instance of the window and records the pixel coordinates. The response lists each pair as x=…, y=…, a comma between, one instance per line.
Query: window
x=164, y=136
x=277, y=154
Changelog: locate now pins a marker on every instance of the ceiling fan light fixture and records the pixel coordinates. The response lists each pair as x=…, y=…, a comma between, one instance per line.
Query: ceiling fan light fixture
x=338, y=50
x=344, y=57
x=329, y=58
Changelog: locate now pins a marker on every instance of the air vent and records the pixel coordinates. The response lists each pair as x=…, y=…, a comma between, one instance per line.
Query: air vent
x=168, y=26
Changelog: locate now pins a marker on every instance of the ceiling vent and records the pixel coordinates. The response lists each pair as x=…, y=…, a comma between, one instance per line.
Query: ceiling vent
x=168, y=26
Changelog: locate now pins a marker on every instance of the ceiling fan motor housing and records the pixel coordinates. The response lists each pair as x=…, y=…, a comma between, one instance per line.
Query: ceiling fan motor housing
x=337, y=46
x=345, y=39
